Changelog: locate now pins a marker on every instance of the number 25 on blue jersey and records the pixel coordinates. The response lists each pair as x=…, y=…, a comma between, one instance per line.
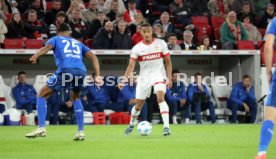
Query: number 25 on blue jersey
x=71, y=48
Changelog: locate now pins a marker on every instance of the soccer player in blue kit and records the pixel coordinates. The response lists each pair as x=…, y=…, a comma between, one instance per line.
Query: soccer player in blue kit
x=68, y=54
x=270, y=109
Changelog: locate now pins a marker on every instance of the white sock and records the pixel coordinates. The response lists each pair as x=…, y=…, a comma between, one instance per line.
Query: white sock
x=174, y=119
x=187, y=120
x=164, y=111
x=134, y=115
x=42, y=129
x=261, y=153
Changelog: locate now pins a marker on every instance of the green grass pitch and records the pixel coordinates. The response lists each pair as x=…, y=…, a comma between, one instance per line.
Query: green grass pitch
x=108, y=142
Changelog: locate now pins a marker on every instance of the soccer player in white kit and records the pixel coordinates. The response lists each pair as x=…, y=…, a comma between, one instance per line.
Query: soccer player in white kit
x=151, y=54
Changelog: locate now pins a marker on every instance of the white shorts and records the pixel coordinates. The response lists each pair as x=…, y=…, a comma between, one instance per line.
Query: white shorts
x=143, y=91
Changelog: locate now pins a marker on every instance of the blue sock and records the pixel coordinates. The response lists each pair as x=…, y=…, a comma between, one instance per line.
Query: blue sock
x=79, y=114
x=266, y=135
x=41, y=111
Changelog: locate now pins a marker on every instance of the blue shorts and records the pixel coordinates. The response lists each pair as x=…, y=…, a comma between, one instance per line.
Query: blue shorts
x=67, y=78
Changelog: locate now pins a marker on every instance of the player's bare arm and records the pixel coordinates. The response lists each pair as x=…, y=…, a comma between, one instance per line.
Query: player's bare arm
x=169, y=70
x=129, y=70
x=269, y=55
x=44, y=50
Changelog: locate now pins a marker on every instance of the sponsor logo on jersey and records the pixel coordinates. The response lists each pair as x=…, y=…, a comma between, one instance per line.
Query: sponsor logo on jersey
x=152, y=56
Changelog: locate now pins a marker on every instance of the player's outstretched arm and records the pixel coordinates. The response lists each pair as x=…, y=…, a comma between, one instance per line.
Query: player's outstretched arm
x=95, y=62
x=130, y=68
x=268, y=53
x=169, y=70
x=42, y=51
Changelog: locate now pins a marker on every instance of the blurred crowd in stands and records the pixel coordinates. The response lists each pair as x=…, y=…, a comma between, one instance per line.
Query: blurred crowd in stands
x=115, y=24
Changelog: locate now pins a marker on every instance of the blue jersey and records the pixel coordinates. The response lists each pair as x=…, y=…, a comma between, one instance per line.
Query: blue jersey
x=271, y=98
x=68, y=52
x=272, y=30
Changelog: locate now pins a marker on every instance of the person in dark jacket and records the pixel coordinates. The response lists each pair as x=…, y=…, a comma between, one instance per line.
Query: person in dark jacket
x=122, y=38
x=50, y=16
x=78, y=25
x=187, y=43
x=182, y=12
x=246, y=11
x=165, y=22
x=197, y=105
x=37, y=6
x=176, y=96
x=243, y=99
x=16, y=27
x=24, y=94
x=200, y=8
x=33, y=27
x=104, y=38
x=55, y=102
x=60, y=19
x=267, y=17
x=97, y=24
x=98, y=98
x=113, y=11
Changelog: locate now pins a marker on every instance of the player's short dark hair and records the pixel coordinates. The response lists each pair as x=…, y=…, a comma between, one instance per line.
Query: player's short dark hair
x=21, y=73
x=146, y=25
x=198, y=74
x=171, y=35
x=64, y=27
x=245, y=3
x=175, y=71
x=246, y=76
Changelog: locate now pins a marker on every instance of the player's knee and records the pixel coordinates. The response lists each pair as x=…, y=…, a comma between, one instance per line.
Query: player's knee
x=45, y=92
x=160, y=99
x=139, y=105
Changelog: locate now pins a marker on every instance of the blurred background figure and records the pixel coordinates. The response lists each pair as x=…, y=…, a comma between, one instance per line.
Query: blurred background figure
x=172, y=42
x=243, y=99
x=24, y=94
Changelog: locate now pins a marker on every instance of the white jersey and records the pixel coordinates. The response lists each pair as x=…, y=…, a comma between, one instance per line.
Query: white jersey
x=150, y=57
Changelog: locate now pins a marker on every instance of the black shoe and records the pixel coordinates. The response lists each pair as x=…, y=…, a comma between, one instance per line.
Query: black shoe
x=129, y=129
x=166, y=132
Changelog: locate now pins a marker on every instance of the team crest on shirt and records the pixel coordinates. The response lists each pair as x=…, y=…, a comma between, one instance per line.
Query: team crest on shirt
x=157, y=48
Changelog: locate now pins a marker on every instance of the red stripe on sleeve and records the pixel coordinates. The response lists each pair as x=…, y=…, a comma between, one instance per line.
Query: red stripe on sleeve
x=167, y=54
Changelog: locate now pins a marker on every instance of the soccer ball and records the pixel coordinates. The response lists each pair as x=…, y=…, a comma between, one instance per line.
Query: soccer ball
x=144, y=128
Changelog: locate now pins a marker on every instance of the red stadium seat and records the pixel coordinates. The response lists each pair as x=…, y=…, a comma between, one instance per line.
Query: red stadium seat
x=89, y=43
x=203, y=31
x=217, y=21
x=33, y=44
x=246, y=45
x=9, y=16
x=217, y=34
x=13, y=44
x=80, y=40
x=86, y=5
x=200, y=21
x=262, y=31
